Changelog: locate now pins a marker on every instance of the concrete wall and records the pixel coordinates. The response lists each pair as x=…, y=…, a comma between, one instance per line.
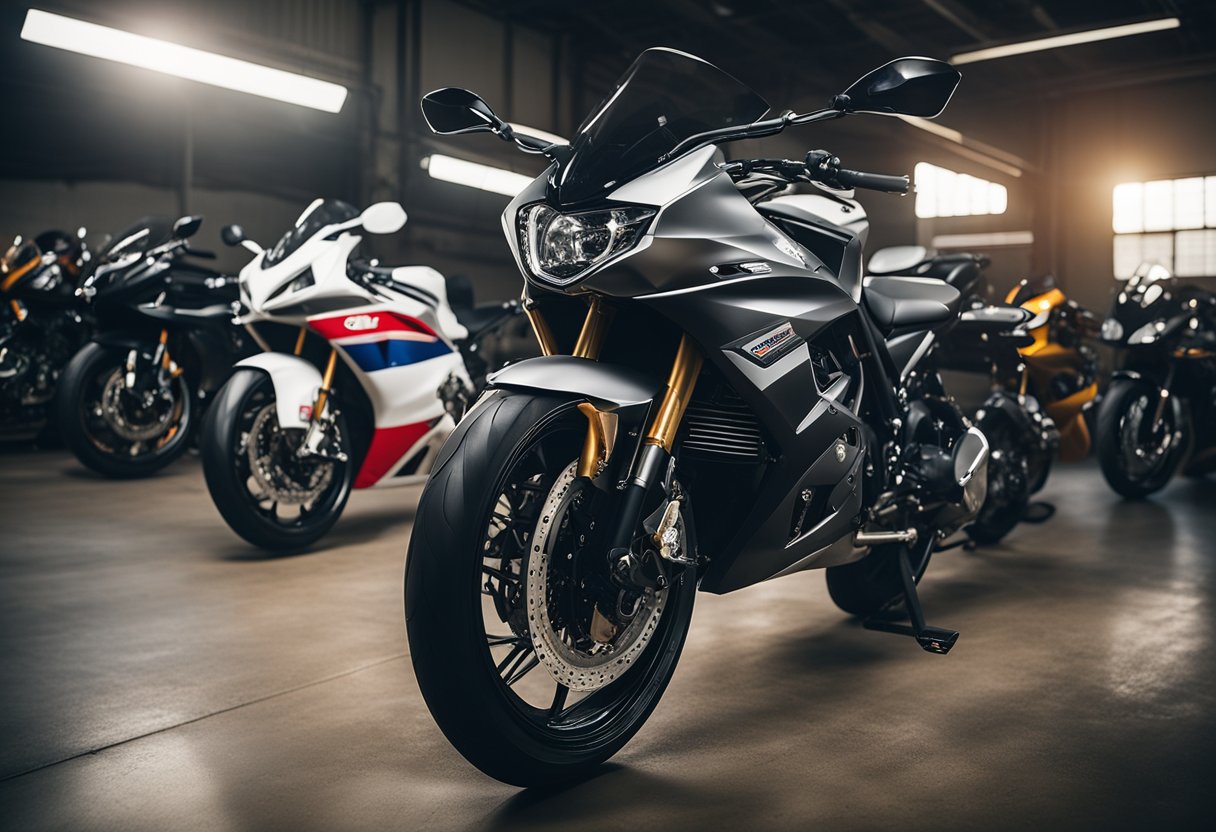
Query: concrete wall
x=1158, y=131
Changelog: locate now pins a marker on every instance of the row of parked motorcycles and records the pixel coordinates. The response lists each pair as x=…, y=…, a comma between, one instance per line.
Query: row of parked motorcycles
x=132, y=353
x=725, y=395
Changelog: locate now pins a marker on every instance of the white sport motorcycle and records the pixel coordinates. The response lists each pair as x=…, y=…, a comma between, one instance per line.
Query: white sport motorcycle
x=365, y=370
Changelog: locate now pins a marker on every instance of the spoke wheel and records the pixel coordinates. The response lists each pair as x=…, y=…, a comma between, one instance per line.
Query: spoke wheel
x=1139, y=452
x=269, y=493
x=121, y=429
x=541, y=677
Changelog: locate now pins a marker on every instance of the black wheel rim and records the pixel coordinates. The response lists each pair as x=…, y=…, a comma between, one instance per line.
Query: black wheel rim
x=274, y=492
x=134, y=424
x=1145, y=451
x=547, y=709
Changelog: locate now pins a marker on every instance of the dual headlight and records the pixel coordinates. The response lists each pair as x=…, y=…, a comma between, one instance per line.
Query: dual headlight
x=560, y=248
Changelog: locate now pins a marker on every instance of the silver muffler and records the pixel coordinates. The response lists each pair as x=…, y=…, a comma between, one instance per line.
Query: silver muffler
x=971, y=469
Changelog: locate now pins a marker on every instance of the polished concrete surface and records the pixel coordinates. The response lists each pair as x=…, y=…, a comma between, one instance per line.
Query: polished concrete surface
x=156, y=673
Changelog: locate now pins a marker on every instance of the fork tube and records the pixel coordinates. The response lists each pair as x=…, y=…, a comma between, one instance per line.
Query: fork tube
x=326, y=380
x=300, y=341
x=595, y=326
x=657, y=443
x=680, y=383
x=540, y=328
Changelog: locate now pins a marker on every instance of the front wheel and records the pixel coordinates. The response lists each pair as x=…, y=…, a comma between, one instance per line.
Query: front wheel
x=536, y=665
x=269, y=494
x=1141, y=440
x=118, y=416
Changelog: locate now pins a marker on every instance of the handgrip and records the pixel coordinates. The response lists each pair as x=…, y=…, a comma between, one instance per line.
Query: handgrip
x=872, y=181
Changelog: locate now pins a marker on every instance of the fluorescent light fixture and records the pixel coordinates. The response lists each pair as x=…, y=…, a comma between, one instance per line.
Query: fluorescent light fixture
x=474, y=175
x=967, y=147
x=552, y=138
x=994, y=238
x=1088, y=36
x=182, y=61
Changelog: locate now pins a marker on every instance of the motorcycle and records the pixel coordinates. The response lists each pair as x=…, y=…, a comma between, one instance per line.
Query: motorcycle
x=1060, y=369
x=1160, y=407
x=988, y=340
x=286, y=441
x=129, y=399
x=572, y=515
x=41, y=326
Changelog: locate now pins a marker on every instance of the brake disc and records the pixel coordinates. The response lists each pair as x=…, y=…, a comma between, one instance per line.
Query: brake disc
x=141, y=423
x=576, y=668
x=290, y=481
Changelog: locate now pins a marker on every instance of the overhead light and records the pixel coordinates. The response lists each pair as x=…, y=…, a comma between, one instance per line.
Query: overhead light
x=539, y=134
x=182, y=61
x=474, y=175
x=1072, y=39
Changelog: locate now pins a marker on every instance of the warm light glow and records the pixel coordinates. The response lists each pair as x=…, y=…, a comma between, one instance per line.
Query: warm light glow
x=944, y=193
x=1055, y=42
x=474, y=175
x=1175, y=211
x=182, y=61
x=552, y=138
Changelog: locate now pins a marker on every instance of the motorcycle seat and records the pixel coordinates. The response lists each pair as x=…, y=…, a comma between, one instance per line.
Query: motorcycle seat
x=903, y=303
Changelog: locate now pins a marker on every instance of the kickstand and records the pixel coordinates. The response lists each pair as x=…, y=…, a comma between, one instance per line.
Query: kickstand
x=932, y=639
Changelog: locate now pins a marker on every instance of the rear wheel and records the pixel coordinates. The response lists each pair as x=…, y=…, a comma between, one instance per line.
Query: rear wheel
x=266, y=492
x=535, y=664
x=117, y=428
x=1139, y=452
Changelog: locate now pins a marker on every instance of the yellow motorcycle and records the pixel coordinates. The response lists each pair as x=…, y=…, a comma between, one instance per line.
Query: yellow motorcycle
x=1059, y=369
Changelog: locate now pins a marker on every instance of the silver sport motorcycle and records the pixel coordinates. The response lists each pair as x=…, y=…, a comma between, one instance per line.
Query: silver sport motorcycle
x=723, y=399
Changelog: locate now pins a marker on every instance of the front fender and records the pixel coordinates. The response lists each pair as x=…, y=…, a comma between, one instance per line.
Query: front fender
x=295, y=385
x=609, y=387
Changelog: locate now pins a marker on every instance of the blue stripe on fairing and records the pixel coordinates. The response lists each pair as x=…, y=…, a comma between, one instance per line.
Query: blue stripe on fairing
x=393, y=353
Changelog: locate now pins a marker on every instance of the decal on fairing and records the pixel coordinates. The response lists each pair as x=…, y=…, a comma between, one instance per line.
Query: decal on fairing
x=388, y=447
x=381, y=340
x=767, y=348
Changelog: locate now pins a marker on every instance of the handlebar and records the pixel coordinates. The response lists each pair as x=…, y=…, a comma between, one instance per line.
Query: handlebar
x=819, y=166
x=873, y=181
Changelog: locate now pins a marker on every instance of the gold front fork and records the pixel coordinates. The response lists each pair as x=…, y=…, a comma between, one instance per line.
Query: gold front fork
x=680, y=383
x=327, y=379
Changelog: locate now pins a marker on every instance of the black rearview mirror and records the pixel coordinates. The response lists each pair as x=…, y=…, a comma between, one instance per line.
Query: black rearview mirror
x=906, y=86
x=232, y=235
x=186, y=227
x=452, y=110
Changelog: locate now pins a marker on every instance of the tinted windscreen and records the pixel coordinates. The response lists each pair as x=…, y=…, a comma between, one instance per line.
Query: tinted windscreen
x=147, y=233
x=321, y=213
x=664, y=99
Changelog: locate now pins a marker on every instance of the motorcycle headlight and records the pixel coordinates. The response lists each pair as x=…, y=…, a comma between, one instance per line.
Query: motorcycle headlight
x=559, y=248
x=1112, y=330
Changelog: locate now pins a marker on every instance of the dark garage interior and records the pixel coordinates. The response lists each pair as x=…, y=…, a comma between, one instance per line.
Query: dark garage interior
x=209, y=390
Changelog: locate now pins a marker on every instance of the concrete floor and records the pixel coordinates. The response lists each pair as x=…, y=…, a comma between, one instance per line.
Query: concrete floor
x=155, y=673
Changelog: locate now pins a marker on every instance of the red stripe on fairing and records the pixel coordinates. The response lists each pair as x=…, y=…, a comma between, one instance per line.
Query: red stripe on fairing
x=388, y=446
x=335, y=327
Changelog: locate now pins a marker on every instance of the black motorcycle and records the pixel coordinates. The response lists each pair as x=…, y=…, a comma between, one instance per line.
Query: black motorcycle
x=729, y=411
x=130, y=398
x=1022, y=437
x=1159, y=413
x=42, y=325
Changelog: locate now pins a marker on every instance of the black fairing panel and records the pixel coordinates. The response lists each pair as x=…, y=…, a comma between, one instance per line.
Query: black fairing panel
x=805, y=425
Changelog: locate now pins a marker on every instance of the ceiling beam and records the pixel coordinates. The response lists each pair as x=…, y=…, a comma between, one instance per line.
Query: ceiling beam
x=960, y=17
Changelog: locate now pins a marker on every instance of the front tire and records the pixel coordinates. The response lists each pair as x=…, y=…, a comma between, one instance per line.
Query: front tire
x=1009, y=485
x=114, y=431
x=263, y=491
x=466, y=575
x=1135, y=459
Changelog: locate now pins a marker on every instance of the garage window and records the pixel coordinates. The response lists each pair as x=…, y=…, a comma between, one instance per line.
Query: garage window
x=1167, y=221
x=943, y=193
